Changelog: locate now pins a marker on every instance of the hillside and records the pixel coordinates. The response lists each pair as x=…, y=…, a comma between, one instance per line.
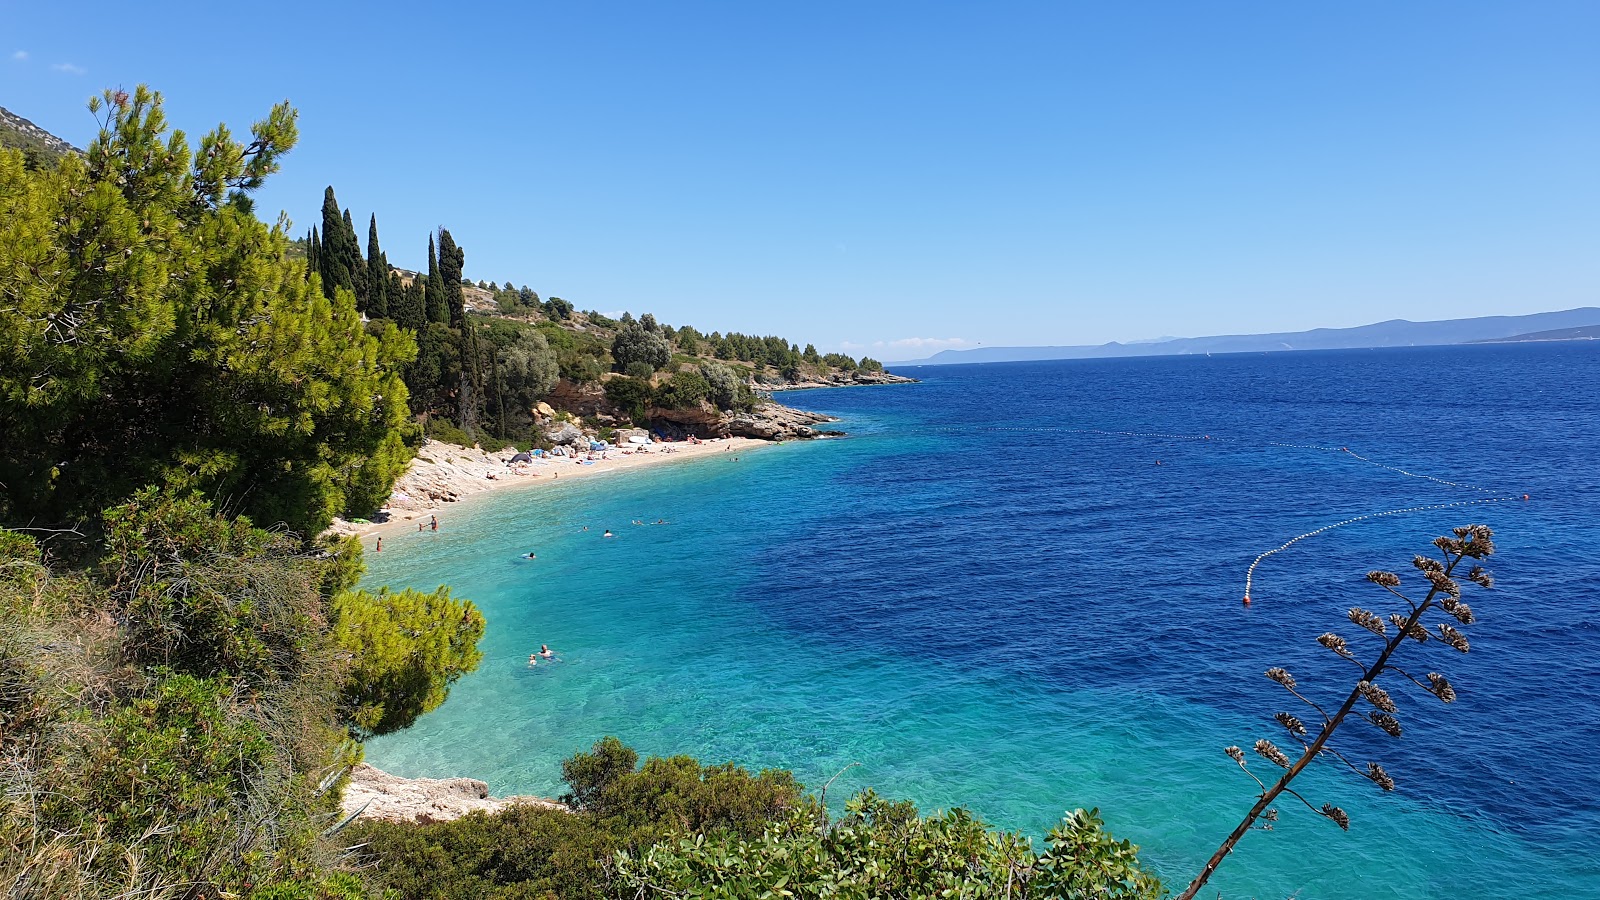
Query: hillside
x=33, y=141
x=1393, y=333
x=1581, y=333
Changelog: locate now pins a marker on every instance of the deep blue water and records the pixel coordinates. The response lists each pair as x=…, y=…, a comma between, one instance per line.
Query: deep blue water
x=988, y=602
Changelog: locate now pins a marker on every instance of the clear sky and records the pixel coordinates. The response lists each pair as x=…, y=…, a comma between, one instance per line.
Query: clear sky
x=896, y=178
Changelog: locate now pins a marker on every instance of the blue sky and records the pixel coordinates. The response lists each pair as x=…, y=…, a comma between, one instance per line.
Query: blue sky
x=896, y=178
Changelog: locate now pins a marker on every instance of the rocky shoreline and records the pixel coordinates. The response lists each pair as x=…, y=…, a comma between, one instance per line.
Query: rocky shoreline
x=375, y=794
x=858, y=379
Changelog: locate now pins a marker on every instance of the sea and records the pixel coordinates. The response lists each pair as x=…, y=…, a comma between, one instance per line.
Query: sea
x=1017, y=588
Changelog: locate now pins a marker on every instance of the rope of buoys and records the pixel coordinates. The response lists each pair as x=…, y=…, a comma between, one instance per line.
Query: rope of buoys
x=1249, y=575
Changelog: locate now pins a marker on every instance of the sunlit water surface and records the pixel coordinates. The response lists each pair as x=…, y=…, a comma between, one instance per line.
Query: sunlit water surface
x=987, y=603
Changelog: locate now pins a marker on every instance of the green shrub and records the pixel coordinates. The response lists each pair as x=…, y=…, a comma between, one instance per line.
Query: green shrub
x=884, y=849
x=684, y=390
x=631, y=396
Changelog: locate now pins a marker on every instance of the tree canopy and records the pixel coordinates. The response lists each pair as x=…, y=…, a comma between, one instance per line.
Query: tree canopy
x=156, y=331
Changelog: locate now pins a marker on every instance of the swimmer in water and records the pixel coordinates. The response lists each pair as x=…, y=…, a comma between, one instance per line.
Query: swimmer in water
x=545, y=651
x=533, y=660
x=530, y=555
x=608, y=533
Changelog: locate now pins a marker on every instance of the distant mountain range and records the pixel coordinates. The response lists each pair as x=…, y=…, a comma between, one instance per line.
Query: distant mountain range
x=1393, y=333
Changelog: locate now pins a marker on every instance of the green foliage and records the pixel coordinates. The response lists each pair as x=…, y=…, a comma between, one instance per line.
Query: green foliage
x=135, y=779
x=438, y=307
x=378, y=274
x=726, y=390
x=639, y=369
x=884, y=849
x=684, y=390
x=636, y=344
x=205, y=595
x=451, y=261
x=630, y=395
x=156, y=331
x=558, y=309
x=531, y=852
x=868, y=364
x=408, y=649
x=339, y=256
x=840, y=361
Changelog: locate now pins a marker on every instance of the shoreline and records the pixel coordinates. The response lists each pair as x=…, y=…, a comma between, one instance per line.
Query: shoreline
x=443, y=477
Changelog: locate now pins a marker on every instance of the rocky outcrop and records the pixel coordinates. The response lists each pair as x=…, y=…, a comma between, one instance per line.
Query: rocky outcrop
x=375, y=794
x=704, y=420
x=444, y=473
x=776, y=422
x=840, y=379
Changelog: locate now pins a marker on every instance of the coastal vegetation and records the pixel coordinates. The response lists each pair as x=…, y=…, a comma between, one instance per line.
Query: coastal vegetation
x=488, y=354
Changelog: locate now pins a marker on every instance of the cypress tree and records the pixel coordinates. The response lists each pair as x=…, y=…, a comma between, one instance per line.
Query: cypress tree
x=313, y=253
x=452, y=259
x=412, y=309
x=334, y=258
x=357, y=265
x=377, y=275
x=438, y=310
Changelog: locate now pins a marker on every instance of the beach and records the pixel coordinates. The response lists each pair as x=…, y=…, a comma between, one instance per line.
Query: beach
x=443, y=479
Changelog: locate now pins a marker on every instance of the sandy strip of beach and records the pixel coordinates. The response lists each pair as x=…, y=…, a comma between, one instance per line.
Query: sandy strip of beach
x=465, y=473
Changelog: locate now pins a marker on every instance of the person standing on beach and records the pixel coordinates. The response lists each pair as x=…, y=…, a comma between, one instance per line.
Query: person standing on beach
x=379, y=548
x=434, y=522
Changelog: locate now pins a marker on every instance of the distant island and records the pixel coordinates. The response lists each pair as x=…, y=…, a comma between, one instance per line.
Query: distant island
x=1570, y=324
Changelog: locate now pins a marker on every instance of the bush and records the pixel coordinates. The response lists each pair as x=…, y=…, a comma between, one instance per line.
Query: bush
x=631, y=396
x=639, y=369
x=529, y=852
x=883, y=849
x=684, y=390
x=724, y=389
x=635, y=344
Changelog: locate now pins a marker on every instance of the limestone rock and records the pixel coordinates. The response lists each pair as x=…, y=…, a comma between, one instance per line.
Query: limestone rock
x=389, y=798
x=565, y=433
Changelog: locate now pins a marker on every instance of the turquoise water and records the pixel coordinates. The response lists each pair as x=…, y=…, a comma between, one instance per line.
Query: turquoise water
x=1023, y=617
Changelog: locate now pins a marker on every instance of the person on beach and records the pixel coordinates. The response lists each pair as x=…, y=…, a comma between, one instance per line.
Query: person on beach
x=379, y=548
x=435, y=522
x=419, y=528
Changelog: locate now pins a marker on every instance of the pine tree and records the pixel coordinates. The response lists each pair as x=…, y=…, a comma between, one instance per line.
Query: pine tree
x=438, y=310
x=377, y=275
x=206, y=361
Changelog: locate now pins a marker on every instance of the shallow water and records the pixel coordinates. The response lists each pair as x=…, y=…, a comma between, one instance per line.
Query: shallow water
x=986, y=602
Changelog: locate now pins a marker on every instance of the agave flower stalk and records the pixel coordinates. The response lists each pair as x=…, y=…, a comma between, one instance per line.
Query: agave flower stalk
x=1474, y=542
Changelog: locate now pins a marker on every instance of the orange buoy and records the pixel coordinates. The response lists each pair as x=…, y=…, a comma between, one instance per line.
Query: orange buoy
x=1246, y=599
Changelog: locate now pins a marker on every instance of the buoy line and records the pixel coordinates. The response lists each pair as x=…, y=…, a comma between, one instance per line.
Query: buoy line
x=1249, y=575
